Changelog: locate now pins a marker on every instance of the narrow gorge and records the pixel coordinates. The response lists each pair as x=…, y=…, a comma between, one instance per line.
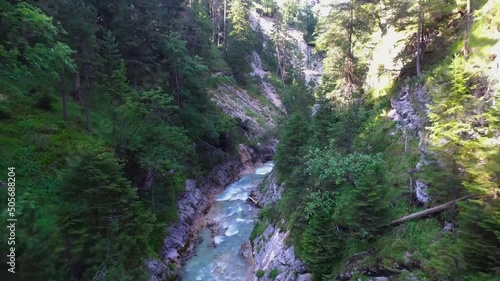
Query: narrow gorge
x=250, y=140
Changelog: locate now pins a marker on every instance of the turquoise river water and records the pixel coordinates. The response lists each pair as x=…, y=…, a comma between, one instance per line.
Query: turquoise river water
x=218, y=258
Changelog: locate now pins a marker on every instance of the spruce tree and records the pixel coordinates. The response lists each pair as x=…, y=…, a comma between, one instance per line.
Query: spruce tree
x=480, y=236
x=345, y=28
x=321, y=244
x=370, y=206
x=104, y=227
x=240, y=40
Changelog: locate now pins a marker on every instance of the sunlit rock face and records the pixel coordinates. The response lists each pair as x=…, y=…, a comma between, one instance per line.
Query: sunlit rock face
x=409, y=109
x=305, y=58
x=158, y=270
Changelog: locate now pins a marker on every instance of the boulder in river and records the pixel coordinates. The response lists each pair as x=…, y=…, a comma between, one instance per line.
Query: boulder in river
x=246, y=252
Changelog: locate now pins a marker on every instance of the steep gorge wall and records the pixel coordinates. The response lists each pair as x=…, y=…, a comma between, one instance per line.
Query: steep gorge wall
x=270, y=250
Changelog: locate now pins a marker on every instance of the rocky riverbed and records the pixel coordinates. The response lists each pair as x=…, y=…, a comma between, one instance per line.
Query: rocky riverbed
x=223, y=252
x=193, y=206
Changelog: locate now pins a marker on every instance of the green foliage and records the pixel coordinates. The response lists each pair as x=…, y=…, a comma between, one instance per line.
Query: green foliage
x=240, y=40
x=460, y=136
x=308, y=22
x=101, y=219
x=292, y=138
x=356, y=170
x=362, y=206
x=258, y=229
x=480, y=234
x=128, y=84
x=270, y=7
x=321, y=244
x=32, y=57
x=273, y=273
x=216, y=62
x=339, y=35
x=142, y=129
x=450, y=121
x=260, y=273
x=44, y=102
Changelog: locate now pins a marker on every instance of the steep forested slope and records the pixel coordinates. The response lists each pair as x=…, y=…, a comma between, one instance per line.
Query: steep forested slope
x=399, y=126
x=106, y=109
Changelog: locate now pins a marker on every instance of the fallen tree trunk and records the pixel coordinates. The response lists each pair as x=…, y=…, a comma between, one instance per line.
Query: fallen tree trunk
x=431, y=211
x=253, y=200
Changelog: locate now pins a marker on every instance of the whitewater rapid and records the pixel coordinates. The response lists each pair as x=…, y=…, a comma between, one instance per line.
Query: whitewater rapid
x=218, y=256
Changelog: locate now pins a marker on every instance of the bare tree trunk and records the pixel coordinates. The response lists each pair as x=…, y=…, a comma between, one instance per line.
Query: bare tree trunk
x=177, y=90
x=467, y=31
x=87, y=102
x=224, y=49
x=430, y=211
x=218, y=36
x=215, y=21
x=422, y=40
x=280, y=65
x=419, y=31
x=76, y=89
x=62, y=90
x=349, y=67
x=148, y=182
x=383, y=18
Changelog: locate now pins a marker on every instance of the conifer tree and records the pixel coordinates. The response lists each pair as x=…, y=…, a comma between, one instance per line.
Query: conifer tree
x=340, y=34
x=308, y=21
x=452, y=124
x=104, y=227
x=321, y=244
x=240, y=39
x=270, y=7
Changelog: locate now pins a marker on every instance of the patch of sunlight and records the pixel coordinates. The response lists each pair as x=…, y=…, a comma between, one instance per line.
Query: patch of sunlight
x=385, y=113
x=383, y=66
x=484, y=42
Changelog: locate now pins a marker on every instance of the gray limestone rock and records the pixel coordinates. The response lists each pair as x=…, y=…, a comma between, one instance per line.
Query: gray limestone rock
x=158, y=270
x=246, y=252
x=270, y=250
x=421, y=192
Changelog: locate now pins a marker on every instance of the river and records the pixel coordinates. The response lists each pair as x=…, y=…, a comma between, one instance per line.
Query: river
x=218, y=258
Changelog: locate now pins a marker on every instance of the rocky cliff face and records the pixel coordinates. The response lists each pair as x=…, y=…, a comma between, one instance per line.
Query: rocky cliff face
x=255, y=116
x=269, y=249
x=271, y=253
x=410, y=110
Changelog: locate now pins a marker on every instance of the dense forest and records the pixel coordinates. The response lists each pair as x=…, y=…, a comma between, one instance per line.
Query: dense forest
x=361, y=169
x=104, y=114
x=107, y=108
